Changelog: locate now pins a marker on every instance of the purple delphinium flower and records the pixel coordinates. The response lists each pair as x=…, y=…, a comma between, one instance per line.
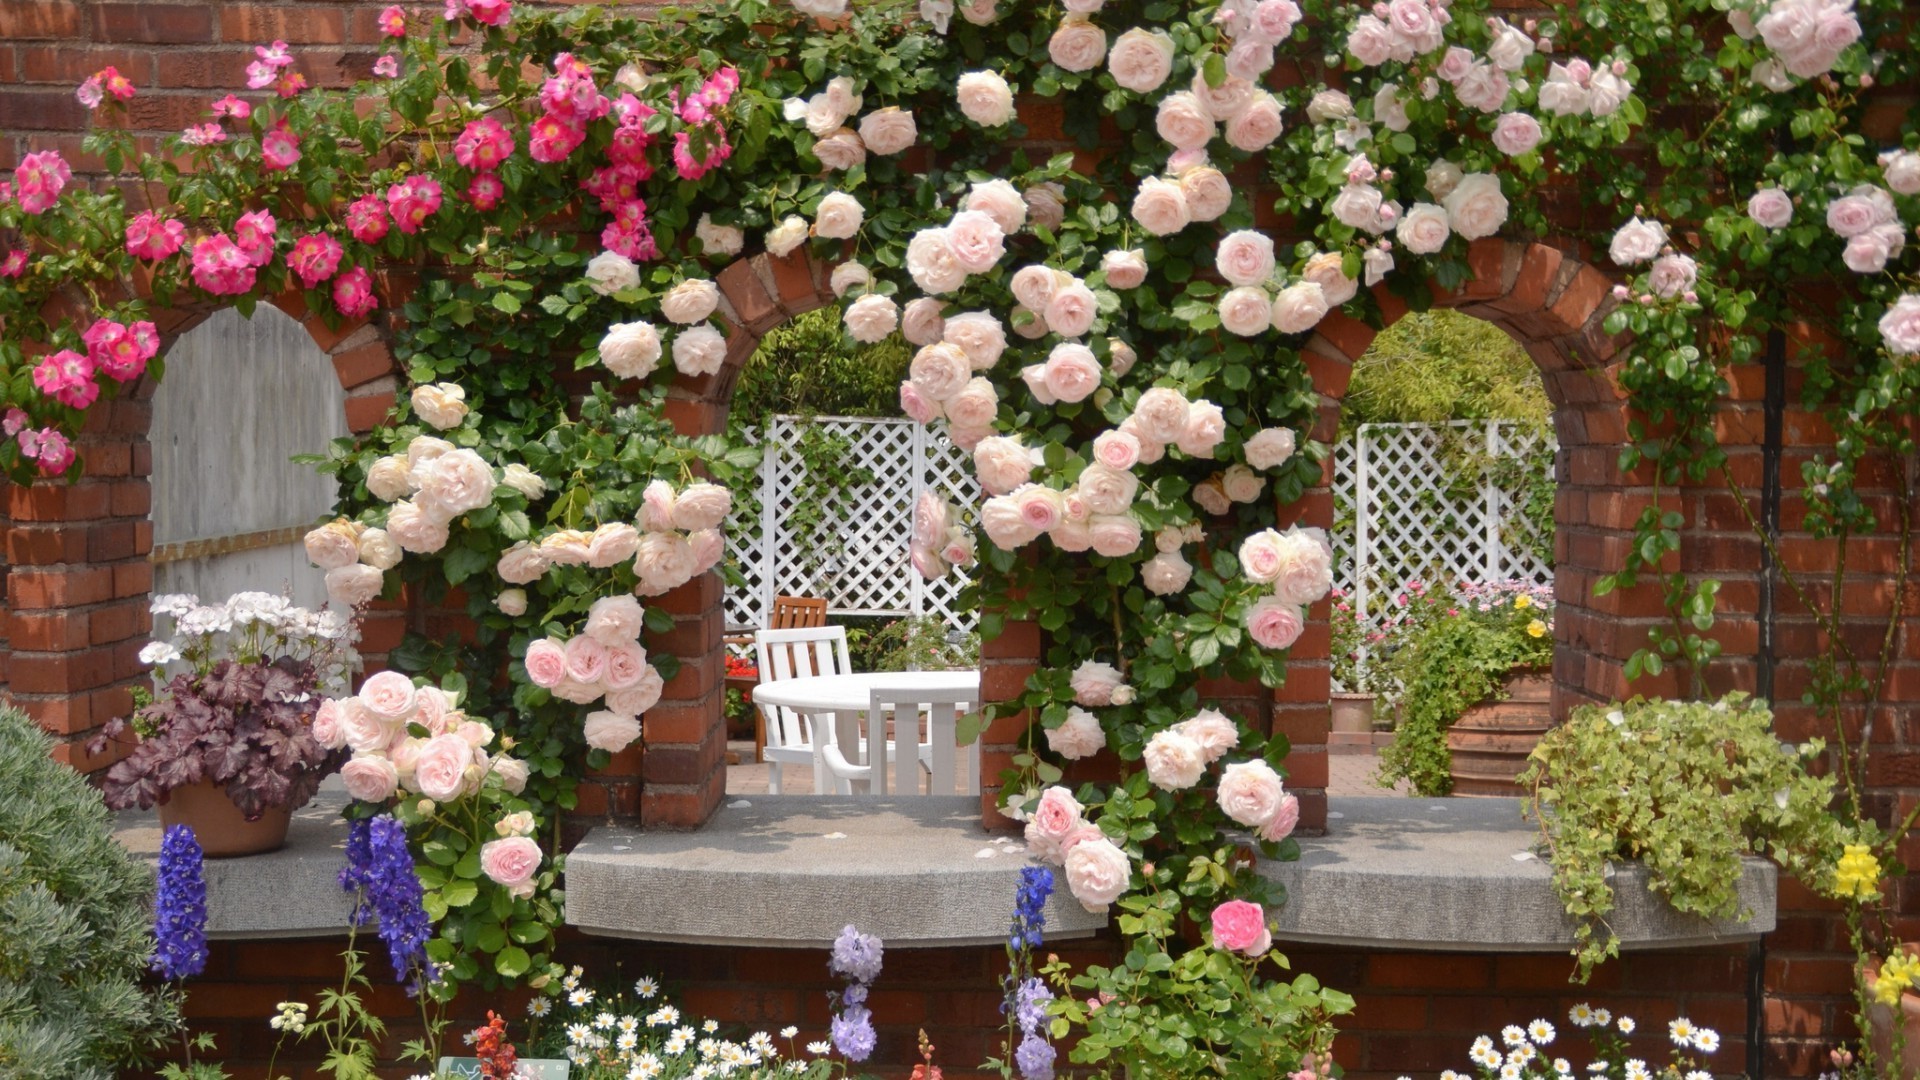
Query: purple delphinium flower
x=180, y=907
x=853, y=1033
x=1035, y=1058
x=856, y=956
x=1030, y=907
x=1030, y=1004
x=380, y=870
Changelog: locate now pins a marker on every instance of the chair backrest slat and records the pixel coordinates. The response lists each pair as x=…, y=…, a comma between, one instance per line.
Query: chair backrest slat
x=798, y=612
x=943, y=709
x=798, y=653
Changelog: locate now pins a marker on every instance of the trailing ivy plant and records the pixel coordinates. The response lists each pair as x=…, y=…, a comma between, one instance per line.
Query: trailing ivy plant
x=1688, y=788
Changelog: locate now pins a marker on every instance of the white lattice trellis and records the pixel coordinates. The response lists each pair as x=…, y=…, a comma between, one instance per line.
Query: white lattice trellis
x=858, y=560
x=1435, y=502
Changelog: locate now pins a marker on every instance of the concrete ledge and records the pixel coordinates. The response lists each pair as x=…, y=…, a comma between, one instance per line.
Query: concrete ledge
x=291, y=893
x=1460, y=875
x=793, y=870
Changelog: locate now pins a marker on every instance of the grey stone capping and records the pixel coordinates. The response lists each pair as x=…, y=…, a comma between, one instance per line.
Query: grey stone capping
x=291, y=893
x=1463, y=875
x=792, y=870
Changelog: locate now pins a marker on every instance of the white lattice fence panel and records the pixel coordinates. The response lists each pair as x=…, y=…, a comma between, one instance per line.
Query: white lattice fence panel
x=742, y=602
x=855, y=551
x=1435, y=502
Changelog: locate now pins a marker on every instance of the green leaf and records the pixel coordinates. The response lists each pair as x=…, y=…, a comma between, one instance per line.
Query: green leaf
x=460, y=892
x=512, y=962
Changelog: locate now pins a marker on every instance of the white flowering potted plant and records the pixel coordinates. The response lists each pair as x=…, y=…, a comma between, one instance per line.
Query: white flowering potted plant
x=226, y=743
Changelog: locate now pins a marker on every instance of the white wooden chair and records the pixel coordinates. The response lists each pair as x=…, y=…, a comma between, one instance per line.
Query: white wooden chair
x=788, y=654
x=939, y=757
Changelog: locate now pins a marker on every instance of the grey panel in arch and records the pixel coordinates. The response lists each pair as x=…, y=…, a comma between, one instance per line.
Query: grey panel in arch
x=240, y=398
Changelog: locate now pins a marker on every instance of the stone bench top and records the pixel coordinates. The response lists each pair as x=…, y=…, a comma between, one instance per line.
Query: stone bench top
x=791, y=870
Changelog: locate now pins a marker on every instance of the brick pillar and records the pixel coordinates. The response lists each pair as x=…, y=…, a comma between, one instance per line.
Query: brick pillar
x=77, y=587
x=682, y=776
x=1005, y=663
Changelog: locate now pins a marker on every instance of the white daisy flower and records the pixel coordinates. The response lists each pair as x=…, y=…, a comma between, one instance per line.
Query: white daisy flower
x=645, y=987
x=1512, y=1035
x=789, y=1031
x=1680, y=1031
x=1540, y=1032
x=1637, y=1070
x=1601, y=1018
x=1562, y=1065
x=603, y=1020
x=1626, y=1025
x=819, y=1047
x=710, y=1026
x=1706, y=1039
x=629, y=1023
x=1509, y=1071
x=539, y=1007
x=580, y=998
x=578, y=1034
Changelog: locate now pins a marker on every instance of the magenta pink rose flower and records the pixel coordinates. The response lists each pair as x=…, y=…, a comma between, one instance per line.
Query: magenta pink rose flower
x=1240, y=926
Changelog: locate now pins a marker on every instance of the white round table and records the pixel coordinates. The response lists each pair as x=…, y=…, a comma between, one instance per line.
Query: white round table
x=847, y=698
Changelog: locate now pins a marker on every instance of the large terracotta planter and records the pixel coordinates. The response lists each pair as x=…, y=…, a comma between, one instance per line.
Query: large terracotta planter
x=1881, y=1022
x=222, y=830
x=1490, y=742
x=1353, y=713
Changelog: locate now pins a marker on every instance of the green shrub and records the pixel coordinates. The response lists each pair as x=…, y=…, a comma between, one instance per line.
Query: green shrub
x=76, y=907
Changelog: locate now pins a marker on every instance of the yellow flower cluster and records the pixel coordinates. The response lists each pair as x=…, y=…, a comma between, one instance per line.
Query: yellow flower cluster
x=1536, y=628
x=1523, y=602
x=1858, y=874
x=1899, y=973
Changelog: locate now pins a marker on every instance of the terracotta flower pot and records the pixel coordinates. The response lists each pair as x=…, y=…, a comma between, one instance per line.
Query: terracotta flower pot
x=1881, y=1022
x=1490, y=742
x=222, y=830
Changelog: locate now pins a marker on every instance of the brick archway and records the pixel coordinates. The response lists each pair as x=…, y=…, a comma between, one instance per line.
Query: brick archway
x=74, y=586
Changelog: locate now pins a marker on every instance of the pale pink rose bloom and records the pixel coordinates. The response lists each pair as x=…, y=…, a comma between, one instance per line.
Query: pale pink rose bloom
x=1244, y=257
x=1607, y=93
x=1442, y=177
x=1241, y=926
x=546, y=663
x=1250, y=793
x=1241, y=484
x=378, y=549
x=440, y=770
x=1423, y=230
x=1211, y=729
x=1771, y=208
x=690, y=302
x=1476, y=207
x=1117, y=449
x=370, y=777
x=1140, y=60
x=352, y=586
x=699, y=351
x=1071, y=311
x=1035, y=376
x=1284, y=820
x=708, y=547
x=1900, y=326
x=1454, y=64
x=1483, y=87
x=932, y=516
x=612, y=544
x=1636, y=242
x=512, y=773
x=1211, y=496
x=665, y=562
x=1357, y=206
x=1390, y=108
x=326, y=725
x=1078, y=736
x=1041, y=508
x=782, y=240
x=974, y=407
x=477, y=734
x=1093, y=683
x=839, y=151
x=926, y=562
x=1223, y=102
x=511, y=602
x=613, y=620
x=1207, y=191
x=611, y=731
x=939, y=371
x=1114, y=535
x=848, y=276
x=1306, y=566
x=1161, y=207
x=1072, y=535
x=1270, y=448
x=985, y=98
x=333, y=545
x=1072, y=372
x=1255, y=127
x=1000, y=201
x=1261, y=557
x=921, y=323
x=701, y=505
x=1166, y=573
x=1250, y=60
x=1511, y=46
x=976, y=240
x=1561, y=94
x=441, y=405
x=958, y=548
x=716, y=239
x=1002, y=464
x=1516, y=133
x=587, y=656
x=888, y=131
x=1050, y=821
x=415, y=528
x=388, y=696
x=521, y=564
x=1077, y=45
x=978, y=334
x=390, y=478
x=1160, y=416
x=1369, y=41
x=1183, y=120
x=931, y=262
x=1328, y=270
x=1868, y=253
x=838, y=216
x=1120, y=357
x=978, y=12
x=1901, y=170
x=1170, y=540
x=1034, y=286
x=1046, y=204
x=454, y=483
x=1858, y=211
x=1125, y=269
x=1005, y=525
x=1105, y=490
x=1672, y=275
x=1272, y=21
x=1174, y=761
x=578, y=693
x=431, y=708
x=1274, y=623
x=656, y=506
x=917, y=407
x=1203, y=431
x=1246, y=311
x=510, y=863
x=640, y=697
x=1097, y=873
x=362, y=731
